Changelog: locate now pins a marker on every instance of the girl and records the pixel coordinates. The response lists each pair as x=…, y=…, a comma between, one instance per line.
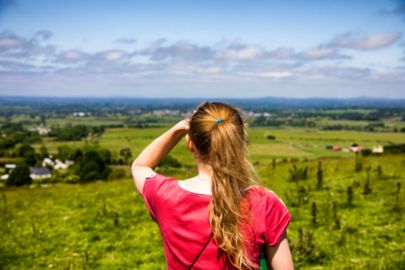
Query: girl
x=219, y=219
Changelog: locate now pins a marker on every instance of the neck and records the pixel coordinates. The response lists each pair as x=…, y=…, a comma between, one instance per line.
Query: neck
x=204, y=170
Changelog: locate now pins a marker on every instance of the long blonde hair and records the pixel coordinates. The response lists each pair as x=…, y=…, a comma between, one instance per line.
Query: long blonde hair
x=218, y=132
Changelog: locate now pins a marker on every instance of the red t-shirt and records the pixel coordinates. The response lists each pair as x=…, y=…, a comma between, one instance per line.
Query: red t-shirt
x=183, y=219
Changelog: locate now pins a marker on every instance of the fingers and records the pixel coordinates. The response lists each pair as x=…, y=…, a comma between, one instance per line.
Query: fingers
x=183, y=126
x=187, y=123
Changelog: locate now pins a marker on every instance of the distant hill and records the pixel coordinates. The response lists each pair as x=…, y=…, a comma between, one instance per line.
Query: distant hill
x=251, y=103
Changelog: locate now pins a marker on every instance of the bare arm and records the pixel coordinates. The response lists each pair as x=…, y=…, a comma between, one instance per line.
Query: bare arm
x=150, y=157
x=279, y=257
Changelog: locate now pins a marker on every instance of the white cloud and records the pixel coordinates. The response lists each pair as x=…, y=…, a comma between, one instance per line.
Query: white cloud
x=246, y=53
x=372, y=42
x=335, y=72
x=113, y=55
x=282, y=53
x=321, y=53
x=181, y=50
x=266, y=74
x=73, y=55
x=10, y=42
x=181, y=64
x=208, y=70
x=281, y=74
x=13, y=46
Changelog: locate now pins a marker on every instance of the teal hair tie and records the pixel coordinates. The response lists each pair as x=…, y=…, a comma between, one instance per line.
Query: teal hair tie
x=219, y=120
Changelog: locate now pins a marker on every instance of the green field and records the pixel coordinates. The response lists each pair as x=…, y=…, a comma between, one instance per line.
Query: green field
x=105, y=225
x=289, y=142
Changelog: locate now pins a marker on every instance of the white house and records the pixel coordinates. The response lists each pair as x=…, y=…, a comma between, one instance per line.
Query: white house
x=9, y=167
x=48, y=162
x=56, y=164
x=60, y=165
x=42, y=130
x=40, y=172
x=379, y=149
x=356, y=149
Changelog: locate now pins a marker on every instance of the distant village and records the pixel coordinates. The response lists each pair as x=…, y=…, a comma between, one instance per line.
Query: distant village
x=355, y=148
x=38, y=173
x=50, y=163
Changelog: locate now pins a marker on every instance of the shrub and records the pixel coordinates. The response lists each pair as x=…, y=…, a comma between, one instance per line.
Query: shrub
x=366, y=152
x=358, y=163
x=314, y=211
x=298, y=173
x=93, y=166
x=27, y=153
x=126, y=154
x=70, y=133
x=319, y=176
x=72, y=178
x=117, y=173
x=170, y=161
x=350, y=195
x=19, y=176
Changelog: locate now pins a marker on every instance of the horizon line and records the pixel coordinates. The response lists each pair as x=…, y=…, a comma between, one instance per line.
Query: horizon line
x=194, y=98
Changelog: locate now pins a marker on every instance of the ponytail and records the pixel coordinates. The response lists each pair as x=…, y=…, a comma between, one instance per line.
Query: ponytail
x=223, y=145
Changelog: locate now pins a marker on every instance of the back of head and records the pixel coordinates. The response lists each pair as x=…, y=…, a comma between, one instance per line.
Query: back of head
x=218, y=132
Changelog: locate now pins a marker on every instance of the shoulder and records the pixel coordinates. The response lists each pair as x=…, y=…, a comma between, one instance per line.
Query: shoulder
x=155, y=185
x=155, y=181
x=266, y=202
x=264, y=194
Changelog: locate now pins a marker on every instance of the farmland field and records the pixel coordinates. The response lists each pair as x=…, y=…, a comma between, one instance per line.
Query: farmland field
x=289, y=142
x=105, y=225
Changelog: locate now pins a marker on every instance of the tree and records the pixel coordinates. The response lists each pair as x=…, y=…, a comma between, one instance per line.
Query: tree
x=26, y=152
x=350, y=195
x=314, y=211
x=358, y=163
x=319, y=176
x=64, y=152
x=126, y=154
x=43, y=120
x=78, y=155
x=43, y=152
x=93, y=166
x=19, y=176
x=71, y=133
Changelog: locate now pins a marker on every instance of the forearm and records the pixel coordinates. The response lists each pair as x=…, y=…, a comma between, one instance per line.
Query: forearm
x=159, y=148
x=279, y=257
x=150, y=157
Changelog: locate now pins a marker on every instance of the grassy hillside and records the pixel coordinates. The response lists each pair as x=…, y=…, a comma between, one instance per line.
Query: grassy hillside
x=365, y=233
x=105, y=225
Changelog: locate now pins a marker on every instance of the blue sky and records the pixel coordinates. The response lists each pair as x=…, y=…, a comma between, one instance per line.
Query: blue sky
x=202, y=48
